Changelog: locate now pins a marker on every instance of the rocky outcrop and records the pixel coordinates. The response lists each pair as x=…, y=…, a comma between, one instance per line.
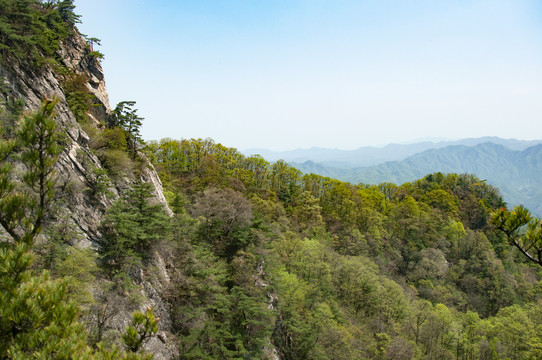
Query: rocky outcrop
x=77, y=166
x=78, y=161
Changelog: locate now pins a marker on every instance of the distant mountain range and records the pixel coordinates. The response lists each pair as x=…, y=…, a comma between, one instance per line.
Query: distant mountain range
x=513, y=166
x=372, y=155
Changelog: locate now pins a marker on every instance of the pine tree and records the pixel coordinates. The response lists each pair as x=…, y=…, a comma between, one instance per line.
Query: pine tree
x=24, y=205
x=143, y=326
x=132, y=225
x=126, y=117
x=35, y=318
x=522, y=230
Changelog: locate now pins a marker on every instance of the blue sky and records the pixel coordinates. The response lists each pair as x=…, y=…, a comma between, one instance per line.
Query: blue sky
x=338, y=74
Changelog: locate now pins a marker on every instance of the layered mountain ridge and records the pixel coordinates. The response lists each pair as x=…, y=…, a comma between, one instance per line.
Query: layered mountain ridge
x=373, y=155
x=512, y=166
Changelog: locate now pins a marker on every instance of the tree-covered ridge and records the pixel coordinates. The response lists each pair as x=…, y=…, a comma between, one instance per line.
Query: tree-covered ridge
x=31, y=29
x=514, y=171
x=347, y=271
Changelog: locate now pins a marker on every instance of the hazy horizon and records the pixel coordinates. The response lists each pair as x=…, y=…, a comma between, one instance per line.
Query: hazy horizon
x=298, y=74
x=411, y=142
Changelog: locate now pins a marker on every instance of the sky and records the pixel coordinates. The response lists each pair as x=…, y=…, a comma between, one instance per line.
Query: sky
x=288, y=74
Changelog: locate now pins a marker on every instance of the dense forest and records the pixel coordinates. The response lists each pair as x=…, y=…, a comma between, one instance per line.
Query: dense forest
x=264, y=262
x=350, y=271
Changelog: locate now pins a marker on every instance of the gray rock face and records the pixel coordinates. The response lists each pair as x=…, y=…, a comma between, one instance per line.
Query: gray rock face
x=76, y=170
x=76, y=162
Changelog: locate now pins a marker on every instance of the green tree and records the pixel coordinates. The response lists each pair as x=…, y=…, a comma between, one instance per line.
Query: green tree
x=308, y=212
x=251, y=321
x=65, y=10
x=513, y=332
x=24, y=205
x=125, y=116
x=294, y=334
x=31, y=30
x=285, y=181
x=78, y=96
x=35, y=318
x=437, y=333
x=228, y=216
x=132, y=226
x=144, y=325
x=522, y=230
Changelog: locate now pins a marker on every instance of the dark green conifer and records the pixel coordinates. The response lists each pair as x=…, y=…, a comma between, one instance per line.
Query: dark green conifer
x=132, y=225
x=126, y=117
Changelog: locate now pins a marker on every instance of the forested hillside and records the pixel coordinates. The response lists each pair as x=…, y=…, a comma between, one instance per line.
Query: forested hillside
x=236, y=257
x=387, y=271
x=515, y=172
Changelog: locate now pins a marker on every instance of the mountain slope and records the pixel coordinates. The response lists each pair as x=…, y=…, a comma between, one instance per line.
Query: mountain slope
x=86, y=185
x=516, y=173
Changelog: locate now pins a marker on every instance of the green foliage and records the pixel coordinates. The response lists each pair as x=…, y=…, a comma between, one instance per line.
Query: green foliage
x=125, y=117
x=215, y=321
x=78, y=96
x=308, y=213
x=284, y=181
x=227, y=216
x=93, y=53
x=295, y=335
x=23, y=206
x=34, y=316
x=36, y=319
x=143, y=326
x=79, y=268
x=111, y=147
x=96, y=55
x=10, y=112
x=111, y=139
x=64, y=260
x=514, y=172
x=99, y=184
x=251, y=320
x=118, y=163
x=348, y=272
x=131, y=227
x=37, y=316
x=522, y=230
x=200, y=163
x=31, y=30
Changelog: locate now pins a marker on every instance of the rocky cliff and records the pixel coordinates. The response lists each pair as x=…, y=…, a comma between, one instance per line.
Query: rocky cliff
x=79, y=165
